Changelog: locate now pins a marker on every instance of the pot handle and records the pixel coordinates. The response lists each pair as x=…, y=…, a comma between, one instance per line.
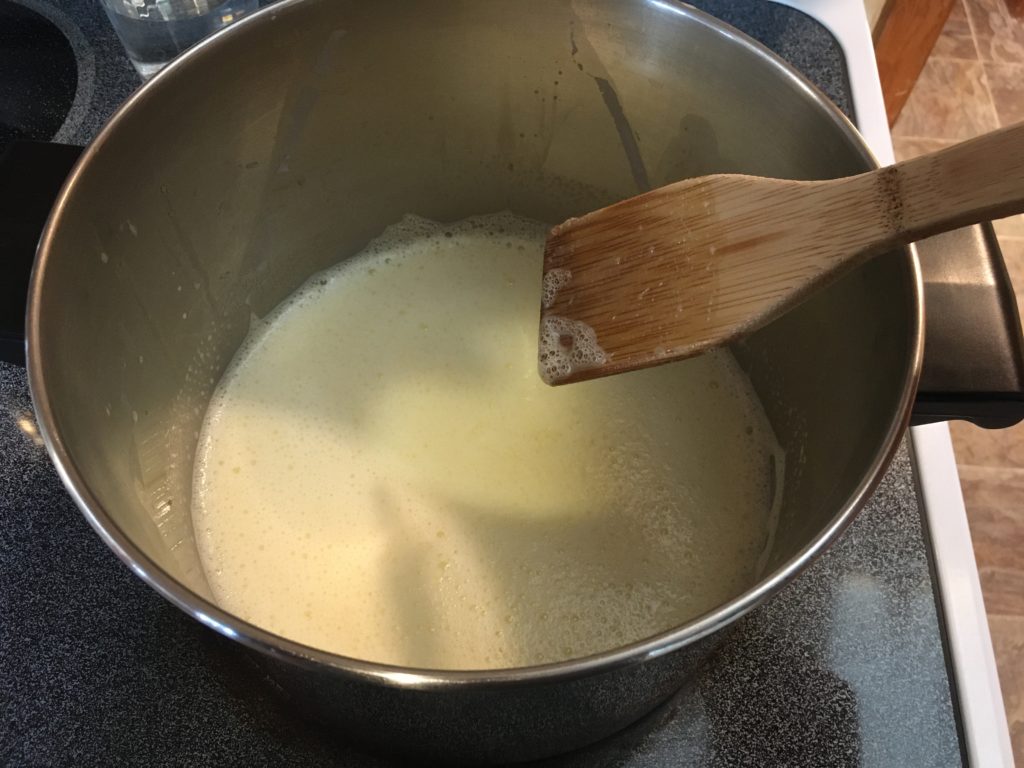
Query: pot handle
x=31, y=175
x=973, y=366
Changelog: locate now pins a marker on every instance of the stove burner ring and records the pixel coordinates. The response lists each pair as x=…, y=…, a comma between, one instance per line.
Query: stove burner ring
x=49, y=73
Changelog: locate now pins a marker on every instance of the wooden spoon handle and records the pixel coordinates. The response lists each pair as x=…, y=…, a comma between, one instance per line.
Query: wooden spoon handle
x=702, y=262
x=975, y=181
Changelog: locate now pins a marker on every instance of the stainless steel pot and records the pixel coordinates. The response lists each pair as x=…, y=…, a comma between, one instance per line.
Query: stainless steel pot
x=282, y=145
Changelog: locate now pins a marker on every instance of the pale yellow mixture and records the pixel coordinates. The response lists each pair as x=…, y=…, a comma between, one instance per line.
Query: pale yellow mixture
x=382, y=473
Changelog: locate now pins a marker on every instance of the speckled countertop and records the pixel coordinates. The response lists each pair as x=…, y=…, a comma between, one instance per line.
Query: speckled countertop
x=844, y=668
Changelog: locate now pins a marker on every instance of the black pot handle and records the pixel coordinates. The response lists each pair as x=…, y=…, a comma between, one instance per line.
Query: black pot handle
x=974, y=361
x=31, y=175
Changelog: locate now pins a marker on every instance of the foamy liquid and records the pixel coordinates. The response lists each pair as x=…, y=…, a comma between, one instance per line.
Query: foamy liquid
x=383, y=474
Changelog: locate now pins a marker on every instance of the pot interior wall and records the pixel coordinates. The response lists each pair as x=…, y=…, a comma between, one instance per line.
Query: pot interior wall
x=283, y=147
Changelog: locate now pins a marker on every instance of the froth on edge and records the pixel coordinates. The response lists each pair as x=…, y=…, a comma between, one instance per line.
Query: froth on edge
x=567, y=346
x=554, y=281
x=412, y=228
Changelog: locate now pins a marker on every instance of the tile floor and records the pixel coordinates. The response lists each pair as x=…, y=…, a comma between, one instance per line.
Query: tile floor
x=974, y=82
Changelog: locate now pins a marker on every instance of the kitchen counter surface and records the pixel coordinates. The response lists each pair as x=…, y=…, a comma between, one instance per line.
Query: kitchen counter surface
x=845, y=668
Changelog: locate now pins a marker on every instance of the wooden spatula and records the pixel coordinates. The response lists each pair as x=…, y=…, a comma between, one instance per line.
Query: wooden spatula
x=703, y=262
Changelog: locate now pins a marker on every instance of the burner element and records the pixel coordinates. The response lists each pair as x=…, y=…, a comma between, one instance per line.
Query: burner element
x=40, y=75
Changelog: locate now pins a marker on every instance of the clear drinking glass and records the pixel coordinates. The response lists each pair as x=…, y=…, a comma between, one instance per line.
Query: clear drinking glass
x=155, y=31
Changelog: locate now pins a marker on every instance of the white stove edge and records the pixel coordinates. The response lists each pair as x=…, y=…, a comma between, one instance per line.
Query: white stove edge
x=986, y=732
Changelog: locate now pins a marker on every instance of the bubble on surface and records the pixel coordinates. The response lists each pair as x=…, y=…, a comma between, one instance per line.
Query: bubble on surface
x=554, y=281
x=566, y=347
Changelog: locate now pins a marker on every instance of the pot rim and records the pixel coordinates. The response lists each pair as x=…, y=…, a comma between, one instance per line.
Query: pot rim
x=284, y=649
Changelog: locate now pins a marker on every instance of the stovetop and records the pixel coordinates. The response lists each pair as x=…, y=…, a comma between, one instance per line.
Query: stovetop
x=845, y=668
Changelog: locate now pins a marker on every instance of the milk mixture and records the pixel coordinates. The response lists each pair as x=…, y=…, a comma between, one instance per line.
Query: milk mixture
x=383, y=474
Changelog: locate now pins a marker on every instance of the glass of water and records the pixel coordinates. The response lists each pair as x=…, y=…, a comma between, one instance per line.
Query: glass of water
x=155, y=31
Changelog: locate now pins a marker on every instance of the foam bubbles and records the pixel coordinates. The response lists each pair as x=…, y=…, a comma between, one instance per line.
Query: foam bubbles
x=565, y=347
x=554, y=281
